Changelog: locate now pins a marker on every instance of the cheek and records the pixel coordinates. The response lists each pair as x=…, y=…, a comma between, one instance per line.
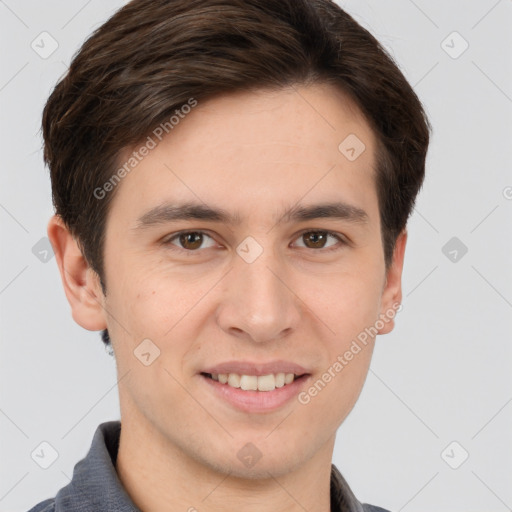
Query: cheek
x=152, y=303
x=332, y=395
x=347, y=302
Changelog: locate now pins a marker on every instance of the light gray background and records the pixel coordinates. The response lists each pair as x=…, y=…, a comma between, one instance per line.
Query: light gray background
x=443, y=375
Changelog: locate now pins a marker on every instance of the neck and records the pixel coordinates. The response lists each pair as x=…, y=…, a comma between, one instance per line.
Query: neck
x=159, y=476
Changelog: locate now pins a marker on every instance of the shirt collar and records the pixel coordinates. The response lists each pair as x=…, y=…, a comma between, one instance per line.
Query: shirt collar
x=95, y=486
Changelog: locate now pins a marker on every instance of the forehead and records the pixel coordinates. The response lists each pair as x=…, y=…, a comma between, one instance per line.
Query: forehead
x=250, y=151
x=302, y=121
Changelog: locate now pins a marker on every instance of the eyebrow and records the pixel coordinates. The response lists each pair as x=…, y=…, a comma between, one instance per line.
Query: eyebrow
x=170, y=212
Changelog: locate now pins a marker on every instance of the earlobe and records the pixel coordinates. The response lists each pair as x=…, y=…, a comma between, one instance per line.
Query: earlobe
x=392, y=292
x=81, y=283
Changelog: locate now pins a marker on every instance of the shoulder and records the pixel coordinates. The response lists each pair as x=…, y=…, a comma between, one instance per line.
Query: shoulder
x=45, y=506
x=373, y=508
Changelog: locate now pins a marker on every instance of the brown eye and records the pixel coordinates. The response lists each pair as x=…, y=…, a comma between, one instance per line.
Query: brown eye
x=191, y=241
x=320, y=240
x=315, y=239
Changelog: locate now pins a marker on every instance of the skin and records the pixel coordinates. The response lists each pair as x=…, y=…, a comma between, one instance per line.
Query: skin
x=256, y=154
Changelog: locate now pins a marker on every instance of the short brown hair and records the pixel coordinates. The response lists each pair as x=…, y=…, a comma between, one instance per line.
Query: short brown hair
x=152, y=56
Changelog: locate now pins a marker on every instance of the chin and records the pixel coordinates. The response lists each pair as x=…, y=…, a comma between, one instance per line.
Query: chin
x=262, y=470
x=258, y=461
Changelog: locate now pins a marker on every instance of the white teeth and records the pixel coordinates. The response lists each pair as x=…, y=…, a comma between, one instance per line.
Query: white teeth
x=234, y=380
x=252, y=382
x=280, y=380
x=249, y=382
x=266, y=383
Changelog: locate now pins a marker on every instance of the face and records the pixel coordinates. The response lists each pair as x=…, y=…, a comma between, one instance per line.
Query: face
x=254, y=282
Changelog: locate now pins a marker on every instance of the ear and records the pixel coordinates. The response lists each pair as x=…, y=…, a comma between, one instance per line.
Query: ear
x=81, y=284
x=392, y=291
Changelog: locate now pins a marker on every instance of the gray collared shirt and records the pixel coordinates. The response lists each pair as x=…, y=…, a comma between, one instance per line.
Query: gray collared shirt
x=95, y=486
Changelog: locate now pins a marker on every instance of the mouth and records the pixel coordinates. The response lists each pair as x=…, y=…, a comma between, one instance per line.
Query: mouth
x=263, y=383
x=255, y=394
x=255, y=386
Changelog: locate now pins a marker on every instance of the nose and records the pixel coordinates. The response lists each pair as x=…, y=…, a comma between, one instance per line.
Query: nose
x=258, y=302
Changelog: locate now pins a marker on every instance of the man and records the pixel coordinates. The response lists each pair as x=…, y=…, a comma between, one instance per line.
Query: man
x=232, y=181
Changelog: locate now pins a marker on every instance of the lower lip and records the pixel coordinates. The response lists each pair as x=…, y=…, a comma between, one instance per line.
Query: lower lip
x=257, y=401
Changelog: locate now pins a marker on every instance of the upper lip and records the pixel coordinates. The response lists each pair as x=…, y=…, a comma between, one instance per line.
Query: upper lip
x=253, y=368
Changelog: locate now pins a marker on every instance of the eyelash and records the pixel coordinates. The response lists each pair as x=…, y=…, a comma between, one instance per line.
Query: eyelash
x=168, y=241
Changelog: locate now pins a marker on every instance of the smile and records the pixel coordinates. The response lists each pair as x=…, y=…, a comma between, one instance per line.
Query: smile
x=254, y=382
x=255, y=393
